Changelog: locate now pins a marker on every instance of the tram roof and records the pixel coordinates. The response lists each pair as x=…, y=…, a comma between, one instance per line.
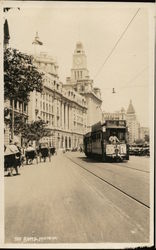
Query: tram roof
x=88, y=134
x=109, y=124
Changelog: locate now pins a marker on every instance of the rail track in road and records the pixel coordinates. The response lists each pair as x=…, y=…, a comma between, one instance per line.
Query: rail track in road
x=123, y=165
x=109, y=183
x=140, y=170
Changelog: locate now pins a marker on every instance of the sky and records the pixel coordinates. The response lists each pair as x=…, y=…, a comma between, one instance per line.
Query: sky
x=99, y=27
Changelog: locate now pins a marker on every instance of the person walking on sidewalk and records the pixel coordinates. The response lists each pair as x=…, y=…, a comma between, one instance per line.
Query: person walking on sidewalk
x=10, y=158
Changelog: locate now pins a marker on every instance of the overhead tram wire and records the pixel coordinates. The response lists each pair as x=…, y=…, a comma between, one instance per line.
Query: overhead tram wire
x=121, y=36
x=132, y=80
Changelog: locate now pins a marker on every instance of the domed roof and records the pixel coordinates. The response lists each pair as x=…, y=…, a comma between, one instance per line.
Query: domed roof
x=130, y=109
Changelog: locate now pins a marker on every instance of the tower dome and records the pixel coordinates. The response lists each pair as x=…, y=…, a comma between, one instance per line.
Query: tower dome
x=79, y=45
x=79, y=48
x=130, y=109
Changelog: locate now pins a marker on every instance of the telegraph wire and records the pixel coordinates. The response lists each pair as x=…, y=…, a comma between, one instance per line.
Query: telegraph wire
x=132, y=80
x=121, y=36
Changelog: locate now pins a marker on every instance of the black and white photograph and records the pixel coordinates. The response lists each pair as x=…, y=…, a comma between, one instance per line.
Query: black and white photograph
x=77, y=124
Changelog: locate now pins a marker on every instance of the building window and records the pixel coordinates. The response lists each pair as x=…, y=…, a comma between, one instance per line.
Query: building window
x=15, y=105
x=43, y=105
x=25, y=107
x=47, y=107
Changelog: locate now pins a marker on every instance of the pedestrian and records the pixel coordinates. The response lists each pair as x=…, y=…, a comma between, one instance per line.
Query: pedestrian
x=10, y=158
x=44, y=152
x=30, y=154
x=49, y=154
x=18, y=155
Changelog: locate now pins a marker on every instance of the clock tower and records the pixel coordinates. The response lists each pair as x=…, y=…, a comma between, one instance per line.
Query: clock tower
x=79, y=69
x=83, y=85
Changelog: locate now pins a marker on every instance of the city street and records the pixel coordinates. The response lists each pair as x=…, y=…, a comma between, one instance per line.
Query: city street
x=76, y=200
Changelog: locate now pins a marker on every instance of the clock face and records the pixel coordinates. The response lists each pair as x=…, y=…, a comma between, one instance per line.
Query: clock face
x=78, y=60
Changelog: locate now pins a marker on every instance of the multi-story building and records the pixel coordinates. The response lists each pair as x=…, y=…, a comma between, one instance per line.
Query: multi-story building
x=132, y=123
x=64, y=110
x=81, y=83
x=118, y=115
x=143, y=133
x=14, y=108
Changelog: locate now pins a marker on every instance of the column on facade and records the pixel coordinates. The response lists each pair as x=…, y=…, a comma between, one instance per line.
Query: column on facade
x=64, y=111
x=70, y=117
x=66, y=116
x=62, y=114
x=67, y=111
x=59, y=107
x=55, y=112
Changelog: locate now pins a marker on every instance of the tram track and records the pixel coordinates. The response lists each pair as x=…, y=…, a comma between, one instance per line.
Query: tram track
x=109, y=183
x=140, y=170
x=123, y=165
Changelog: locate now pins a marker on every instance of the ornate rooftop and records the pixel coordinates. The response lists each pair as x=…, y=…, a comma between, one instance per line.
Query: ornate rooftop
x=130, y=109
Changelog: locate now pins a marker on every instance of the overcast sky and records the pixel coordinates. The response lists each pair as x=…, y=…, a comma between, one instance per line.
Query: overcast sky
x=98, y=26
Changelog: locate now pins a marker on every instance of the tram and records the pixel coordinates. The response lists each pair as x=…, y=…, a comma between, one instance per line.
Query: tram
x=108, y=140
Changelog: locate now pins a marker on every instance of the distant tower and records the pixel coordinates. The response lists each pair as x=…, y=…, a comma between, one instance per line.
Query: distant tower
x=132, y=123
x=79, y=69
x=81, y=82
x=36, y=43
x=6, y=34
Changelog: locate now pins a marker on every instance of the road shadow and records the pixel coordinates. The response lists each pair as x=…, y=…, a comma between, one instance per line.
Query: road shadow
x=7, y=175
x=98, y=160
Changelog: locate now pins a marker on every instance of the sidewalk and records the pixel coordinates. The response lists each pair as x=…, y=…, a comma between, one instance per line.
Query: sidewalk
x=26, y=169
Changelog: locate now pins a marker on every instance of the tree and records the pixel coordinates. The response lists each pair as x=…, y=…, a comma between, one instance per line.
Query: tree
x=20, y=76
x=35, y=130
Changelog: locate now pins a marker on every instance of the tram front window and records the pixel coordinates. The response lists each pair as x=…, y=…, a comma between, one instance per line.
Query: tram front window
x=120, y=135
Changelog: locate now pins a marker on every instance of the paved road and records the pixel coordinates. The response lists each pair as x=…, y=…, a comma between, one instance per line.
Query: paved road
x=131, y=177
x=60, y=202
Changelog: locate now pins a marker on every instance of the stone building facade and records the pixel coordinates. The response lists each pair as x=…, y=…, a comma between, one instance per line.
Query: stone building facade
x=82, y=84
x=65, y=111
x=118, y=115
x=132, y=123
x=143, y=132
x=15, y=107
